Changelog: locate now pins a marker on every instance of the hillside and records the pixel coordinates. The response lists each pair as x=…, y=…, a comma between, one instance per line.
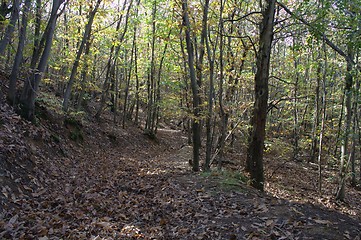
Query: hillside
x=82, y=179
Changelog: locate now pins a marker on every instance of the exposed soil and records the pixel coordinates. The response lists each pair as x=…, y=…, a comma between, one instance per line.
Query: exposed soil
x=89, y=180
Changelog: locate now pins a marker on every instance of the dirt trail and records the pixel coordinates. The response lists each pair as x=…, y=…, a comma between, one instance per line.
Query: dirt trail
x=121, y=185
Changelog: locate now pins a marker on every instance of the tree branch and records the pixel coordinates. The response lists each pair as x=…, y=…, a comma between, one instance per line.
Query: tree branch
x=243, y=17
x=324, y=37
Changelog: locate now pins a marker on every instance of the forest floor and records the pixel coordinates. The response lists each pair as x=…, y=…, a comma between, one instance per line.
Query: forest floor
x=64, y=179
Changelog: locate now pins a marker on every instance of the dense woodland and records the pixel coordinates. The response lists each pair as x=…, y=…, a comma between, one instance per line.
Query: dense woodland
x=233, y=75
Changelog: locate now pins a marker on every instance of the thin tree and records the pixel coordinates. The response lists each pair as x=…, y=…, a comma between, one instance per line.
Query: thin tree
x=85, y=39
x=19, y=53
x=196, y=126
x=340, y=195
x=210, y=55
x=323, y=119
x=258, y=121
x=11, y=26
x=32, y=84
x=152, y=83
x=113, y=57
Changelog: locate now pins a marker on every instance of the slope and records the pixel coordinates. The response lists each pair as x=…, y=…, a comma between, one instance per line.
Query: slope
x=65, y=178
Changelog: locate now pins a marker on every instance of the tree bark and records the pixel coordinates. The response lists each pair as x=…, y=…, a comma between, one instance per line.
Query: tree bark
x=19, y=53
x=152, y=83
x=32, y=86
x=210, y=55
x=11, y=27
x=340, y=195
x=316, y=122
x=222, y=113
x=323, y=120
x=196, y=127
x=85, y=39
x=258, y=122
x=114, y=54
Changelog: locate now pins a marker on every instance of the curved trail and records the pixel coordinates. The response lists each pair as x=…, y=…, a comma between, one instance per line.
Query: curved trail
x=130, y=187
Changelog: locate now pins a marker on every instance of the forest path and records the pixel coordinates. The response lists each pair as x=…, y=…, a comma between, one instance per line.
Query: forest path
x=120, y=184
x=147, y=191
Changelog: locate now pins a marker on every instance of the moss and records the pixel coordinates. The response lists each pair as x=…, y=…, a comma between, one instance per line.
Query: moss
x=75, y=128
x=72, y=122
x=76, y=135
x=227, y=179
x=55, y=138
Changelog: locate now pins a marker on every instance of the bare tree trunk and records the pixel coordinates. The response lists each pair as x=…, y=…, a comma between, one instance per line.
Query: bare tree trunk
x=258, y=122
x=85, y=39
x=31, y=88
x=316, y=122
x=127, y=84
x=196, y=127
x=354, y=129
x=84, y=75
x=152, y=83
x=295, y=103
x=137, y=85
x=39, y=41
x=158, y=97
x=344, y=147
x=19, y=53
x=323, y=120
x=186, y=119
x=222, y=113
x=210, y=55
x=113, y=58
x=11, y=27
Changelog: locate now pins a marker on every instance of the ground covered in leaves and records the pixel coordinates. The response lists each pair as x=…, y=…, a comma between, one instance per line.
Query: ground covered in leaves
x=68, y=179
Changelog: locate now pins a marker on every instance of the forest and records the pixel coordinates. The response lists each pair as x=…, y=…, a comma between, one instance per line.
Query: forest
x=180, y=119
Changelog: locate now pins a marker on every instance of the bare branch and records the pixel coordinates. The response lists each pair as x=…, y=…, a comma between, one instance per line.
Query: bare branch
x=324, y=37
x=243, y=17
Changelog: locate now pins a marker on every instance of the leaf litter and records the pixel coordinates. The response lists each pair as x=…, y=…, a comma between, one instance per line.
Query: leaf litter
x=132, y=187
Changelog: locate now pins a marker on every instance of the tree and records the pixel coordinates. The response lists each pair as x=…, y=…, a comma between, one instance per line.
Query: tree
x=32, y=84
x=11, y=27
x=113, y=57
x=85, y=40
x=19, y=53
x=258, y=121
x=196, y=125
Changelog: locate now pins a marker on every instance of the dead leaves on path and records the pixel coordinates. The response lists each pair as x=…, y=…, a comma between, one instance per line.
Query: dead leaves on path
x=137, y=189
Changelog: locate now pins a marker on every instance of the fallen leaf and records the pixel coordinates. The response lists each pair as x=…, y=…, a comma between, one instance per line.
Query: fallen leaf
x=322, y=221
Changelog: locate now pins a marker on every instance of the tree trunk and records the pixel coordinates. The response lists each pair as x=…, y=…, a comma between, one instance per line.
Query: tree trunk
x=340, y=195
x=196, y=127
x=210, y=55
x=11, y=27
x=323, y=120
x=19, y=53
x=186, y=119
x=137, y=85
x=258, y=122
x=113, y=58
x=85, y=39
x=222, y=113
x=295, y=103
x=127, y=84
x=84, y=75
x=31, y=88
x=354, y=130
x=158, y=94
x=152, y=84
x=316, y=122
